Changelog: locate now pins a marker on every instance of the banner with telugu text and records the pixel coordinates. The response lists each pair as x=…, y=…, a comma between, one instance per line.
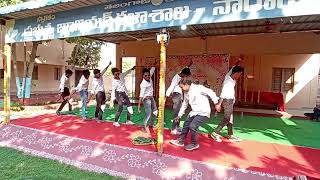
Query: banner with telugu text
x=210, y=68
x=133, y=15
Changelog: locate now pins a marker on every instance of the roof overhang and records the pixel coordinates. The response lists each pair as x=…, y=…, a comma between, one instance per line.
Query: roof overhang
x=126, y=20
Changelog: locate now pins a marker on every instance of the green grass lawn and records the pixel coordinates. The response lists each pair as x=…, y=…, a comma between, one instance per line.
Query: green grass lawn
x=264, y=129
x=18, y=165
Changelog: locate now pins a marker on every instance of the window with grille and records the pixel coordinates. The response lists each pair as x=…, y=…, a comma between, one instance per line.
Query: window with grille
x=35, y=73
x=283, y=79
x=1, y=73
x=57, y=74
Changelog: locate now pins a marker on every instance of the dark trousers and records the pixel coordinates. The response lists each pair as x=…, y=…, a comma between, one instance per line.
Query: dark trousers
x=310, y=115
x=177, y=102
x=228, y=117
x=192, y=124
x=65, y=93
x=101, y=99
x=122, y=99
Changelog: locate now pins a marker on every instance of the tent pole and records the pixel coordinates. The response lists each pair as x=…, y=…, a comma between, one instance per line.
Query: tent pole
x=163, y=38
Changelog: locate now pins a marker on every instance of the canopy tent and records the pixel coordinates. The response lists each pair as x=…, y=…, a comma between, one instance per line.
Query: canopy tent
x=132, y=20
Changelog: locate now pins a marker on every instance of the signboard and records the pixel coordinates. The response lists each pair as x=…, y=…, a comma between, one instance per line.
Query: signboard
x=132, y=15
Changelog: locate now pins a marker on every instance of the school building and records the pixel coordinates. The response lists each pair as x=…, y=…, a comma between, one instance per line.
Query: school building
x=278, y=42
x=274, y=63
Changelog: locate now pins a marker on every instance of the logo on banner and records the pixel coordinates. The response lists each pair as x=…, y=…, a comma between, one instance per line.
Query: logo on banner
x=134, y=3
x=157, y=2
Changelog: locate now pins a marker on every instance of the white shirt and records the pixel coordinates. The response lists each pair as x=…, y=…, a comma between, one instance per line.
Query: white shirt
x=63, y=82
x=83, y=84
x=228, y=91
x=174, y=86
x=97, y=85
x=146, y=87
x=197, y=98
x=119, y=85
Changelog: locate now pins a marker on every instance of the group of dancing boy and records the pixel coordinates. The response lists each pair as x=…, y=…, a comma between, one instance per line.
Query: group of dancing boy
x=182, y=91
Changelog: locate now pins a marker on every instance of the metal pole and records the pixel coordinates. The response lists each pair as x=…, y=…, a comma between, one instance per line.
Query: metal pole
x=7, y=74
x=161, y=95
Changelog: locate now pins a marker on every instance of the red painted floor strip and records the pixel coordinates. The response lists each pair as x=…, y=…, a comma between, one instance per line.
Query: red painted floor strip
x=266, y=157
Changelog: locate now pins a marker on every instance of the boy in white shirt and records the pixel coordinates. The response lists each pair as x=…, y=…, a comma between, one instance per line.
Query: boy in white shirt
x=227, y=99
x=99, y=92
x=120, y=93
x=197, y=97
x=82, y=87
x=64, y=90
x=176, y=94
x=146, y=95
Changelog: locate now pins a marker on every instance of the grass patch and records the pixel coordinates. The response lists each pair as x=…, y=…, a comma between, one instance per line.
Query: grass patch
x=18, y=165
x=263, y=129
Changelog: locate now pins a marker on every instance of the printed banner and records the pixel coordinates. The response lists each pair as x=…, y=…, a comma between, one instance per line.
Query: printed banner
x=206, y=68
x=122, y=16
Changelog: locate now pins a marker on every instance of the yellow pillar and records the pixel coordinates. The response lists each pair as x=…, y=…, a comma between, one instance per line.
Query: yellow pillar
x=7, y=75
x=161, y=95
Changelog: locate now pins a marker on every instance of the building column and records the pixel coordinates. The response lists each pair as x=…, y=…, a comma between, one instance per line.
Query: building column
x=7, y=87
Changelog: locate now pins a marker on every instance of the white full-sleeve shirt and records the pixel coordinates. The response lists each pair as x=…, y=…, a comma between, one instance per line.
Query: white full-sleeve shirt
x=197, y=98
x=228, y=87
x=119, y=85
x=83, y=84
x=64, y=82
x=97, y=85
x=146, y=87
x=174, y=86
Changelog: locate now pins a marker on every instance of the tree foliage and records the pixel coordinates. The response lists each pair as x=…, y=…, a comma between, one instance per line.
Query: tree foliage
x=86, y=52
x=9, y=2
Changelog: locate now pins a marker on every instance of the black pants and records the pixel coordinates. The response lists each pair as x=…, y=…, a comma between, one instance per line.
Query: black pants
x=177, y=102
x=192, y=124
x=101, y=100
x=65, y=93
x=122, y=99
x=310, y=115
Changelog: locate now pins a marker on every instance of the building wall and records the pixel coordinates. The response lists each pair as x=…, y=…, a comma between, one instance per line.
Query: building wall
x=55, y=52
x=261, y=53
x=45, y=82
x=52, y=54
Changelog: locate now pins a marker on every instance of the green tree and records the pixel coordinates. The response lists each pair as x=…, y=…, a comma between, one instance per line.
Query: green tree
x=9, y=2
x=86, y=52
